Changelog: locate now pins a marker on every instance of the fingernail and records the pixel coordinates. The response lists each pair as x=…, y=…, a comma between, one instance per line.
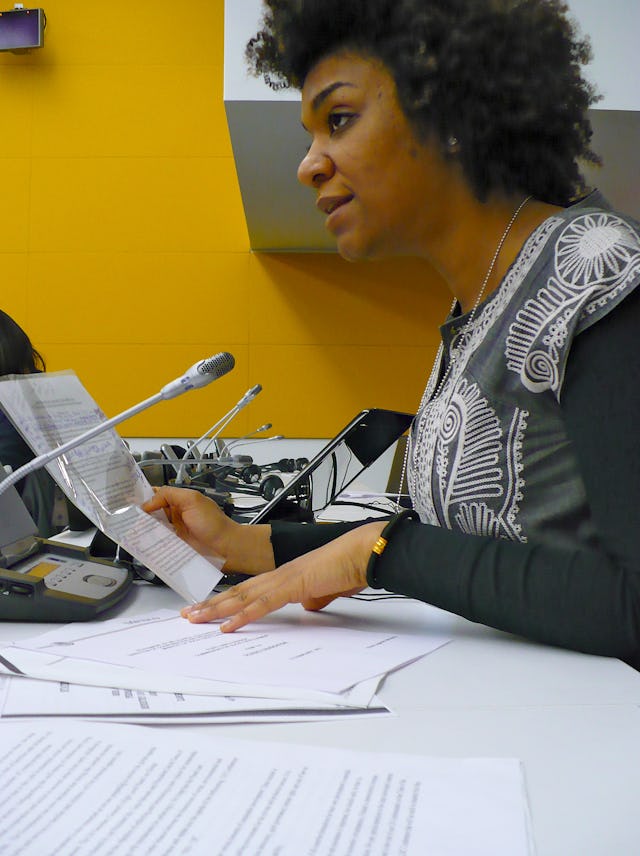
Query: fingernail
x=193, y=607
x=191, y=612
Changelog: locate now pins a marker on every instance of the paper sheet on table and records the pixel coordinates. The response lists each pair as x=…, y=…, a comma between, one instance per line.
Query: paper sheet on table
x=22, y=698
x=281, y=651
x=102, y=478
x=19, y=661
x=120, y=789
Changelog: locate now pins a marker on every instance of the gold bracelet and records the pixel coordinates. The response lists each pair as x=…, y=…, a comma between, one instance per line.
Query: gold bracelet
x=379, y=547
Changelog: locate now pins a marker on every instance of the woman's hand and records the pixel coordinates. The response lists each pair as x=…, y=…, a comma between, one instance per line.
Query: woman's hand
x=200, y=522
x=314, y=580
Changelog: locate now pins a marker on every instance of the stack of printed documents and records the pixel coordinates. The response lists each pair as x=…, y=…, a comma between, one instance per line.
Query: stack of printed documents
x=158, y=668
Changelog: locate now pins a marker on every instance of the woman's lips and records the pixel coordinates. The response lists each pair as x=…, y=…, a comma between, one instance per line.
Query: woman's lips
x=332, y=206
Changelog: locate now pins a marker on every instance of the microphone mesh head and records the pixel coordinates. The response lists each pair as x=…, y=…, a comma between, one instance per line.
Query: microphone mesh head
x=217, y=365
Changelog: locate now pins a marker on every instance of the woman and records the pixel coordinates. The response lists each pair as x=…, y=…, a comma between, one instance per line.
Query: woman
x=38, y=490
x=451, y=130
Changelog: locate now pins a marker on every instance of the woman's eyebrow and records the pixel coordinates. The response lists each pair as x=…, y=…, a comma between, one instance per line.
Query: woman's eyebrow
x=324, y=93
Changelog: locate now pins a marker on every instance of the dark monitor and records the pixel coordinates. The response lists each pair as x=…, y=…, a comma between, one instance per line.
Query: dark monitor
x=337, y=465
x=22, y=29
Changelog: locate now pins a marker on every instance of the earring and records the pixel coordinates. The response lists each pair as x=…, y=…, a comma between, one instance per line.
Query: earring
x=453, y=145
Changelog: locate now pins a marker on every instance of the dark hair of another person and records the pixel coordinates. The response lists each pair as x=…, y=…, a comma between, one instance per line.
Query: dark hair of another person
x=17, y=354
x=502, y=77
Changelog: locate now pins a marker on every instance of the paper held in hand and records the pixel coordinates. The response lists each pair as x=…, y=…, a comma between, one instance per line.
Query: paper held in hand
x=101, y=477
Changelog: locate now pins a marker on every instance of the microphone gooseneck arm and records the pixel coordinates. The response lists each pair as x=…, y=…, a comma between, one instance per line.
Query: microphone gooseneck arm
x=215, y=429
x=245, y=437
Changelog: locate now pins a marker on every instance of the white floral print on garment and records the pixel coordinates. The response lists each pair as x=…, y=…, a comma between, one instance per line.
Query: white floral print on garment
x=489, y=452
x=596, y=256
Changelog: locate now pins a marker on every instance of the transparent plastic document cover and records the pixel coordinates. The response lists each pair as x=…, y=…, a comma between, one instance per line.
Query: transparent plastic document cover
x=336, y=466
x=101, y=478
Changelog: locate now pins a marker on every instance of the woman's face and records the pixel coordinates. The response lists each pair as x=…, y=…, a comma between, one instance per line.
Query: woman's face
x=377, y=184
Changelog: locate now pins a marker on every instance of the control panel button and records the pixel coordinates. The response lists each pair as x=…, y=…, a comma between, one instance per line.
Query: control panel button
x=99, y=580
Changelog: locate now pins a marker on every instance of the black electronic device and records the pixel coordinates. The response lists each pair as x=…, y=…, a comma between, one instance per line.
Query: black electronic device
x=336, y=465
x=44, y=580
x=22, y=29
x=266, y=487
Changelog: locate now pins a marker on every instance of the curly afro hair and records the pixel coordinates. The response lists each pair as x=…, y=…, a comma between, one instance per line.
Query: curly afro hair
x=502, y=77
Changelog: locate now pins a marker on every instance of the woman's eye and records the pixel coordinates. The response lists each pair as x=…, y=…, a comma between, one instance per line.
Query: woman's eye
x=337, y=121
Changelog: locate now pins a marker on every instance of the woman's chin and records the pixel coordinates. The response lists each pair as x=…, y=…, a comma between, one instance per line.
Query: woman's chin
x=351, y=249
x=355, y=246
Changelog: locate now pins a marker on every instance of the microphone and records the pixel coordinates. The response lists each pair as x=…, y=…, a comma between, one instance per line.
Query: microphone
x=197, y=376
x=217, y=427
x=200, y=374
x=247, y=398
x=260, y=430
x=249, y=395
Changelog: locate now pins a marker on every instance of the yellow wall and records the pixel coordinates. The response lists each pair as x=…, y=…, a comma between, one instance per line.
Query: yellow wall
x=124, y=252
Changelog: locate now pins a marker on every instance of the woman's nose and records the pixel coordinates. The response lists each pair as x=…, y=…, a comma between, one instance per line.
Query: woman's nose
x=315, y=168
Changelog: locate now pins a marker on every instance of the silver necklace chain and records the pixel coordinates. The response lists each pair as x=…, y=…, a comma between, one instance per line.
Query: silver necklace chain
x=465, y=327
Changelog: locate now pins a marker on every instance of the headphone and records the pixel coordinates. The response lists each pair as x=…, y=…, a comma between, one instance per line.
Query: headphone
x=219, y=481
x=248, y=480
x=286, y=465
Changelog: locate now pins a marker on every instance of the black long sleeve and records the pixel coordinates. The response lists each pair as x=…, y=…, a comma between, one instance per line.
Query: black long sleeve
x=587, y=600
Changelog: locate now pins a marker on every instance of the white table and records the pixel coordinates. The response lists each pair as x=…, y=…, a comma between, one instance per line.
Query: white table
x=574, y=720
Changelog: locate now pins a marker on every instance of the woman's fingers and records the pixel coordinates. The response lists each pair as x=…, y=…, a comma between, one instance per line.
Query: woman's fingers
x=196, y=519
x=256, y=608
x=157, y=502
x=246, y=602
x=254, y=599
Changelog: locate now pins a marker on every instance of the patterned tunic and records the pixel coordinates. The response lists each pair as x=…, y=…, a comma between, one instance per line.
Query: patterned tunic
x=490, y=453
x=525, y=466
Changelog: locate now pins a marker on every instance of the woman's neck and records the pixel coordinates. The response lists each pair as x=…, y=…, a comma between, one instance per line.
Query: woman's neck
x=464, y=254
